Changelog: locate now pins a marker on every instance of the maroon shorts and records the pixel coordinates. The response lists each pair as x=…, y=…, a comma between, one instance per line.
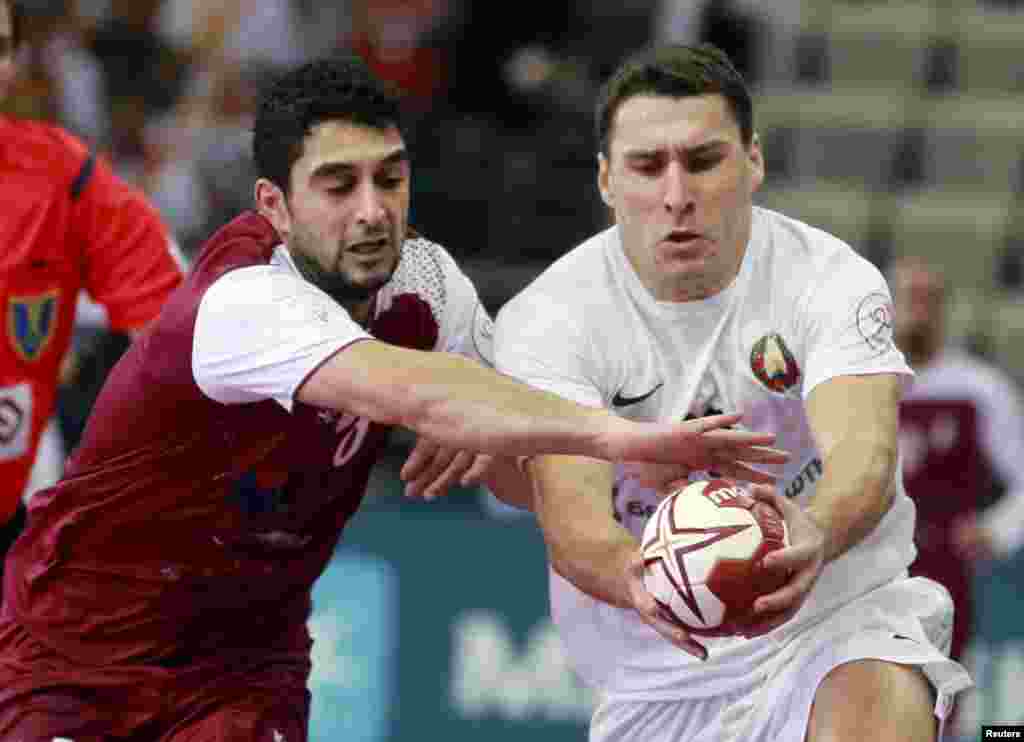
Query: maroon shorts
x=44, y=696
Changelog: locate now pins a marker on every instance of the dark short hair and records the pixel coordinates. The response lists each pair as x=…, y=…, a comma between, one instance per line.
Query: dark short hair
x=675, y=71
x=340, y=88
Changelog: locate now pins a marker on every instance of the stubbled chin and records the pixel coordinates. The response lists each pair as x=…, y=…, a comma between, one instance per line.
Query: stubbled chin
x=374, y=271
x=682, y=258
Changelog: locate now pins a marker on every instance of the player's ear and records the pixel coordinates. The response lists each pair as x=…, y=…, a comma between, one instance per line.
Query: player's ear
x=272, y=203
x=756, y=157
x=602, y=180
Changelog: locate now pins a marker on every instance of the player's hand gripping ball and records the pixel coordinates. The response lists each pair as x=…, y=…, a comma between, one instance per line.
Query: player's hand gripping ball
x=703, y=549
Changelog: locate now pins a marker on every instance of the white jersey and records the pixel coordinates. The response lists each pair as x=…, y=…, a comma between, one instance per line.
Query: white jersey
x=804, y=308
x=291, y=326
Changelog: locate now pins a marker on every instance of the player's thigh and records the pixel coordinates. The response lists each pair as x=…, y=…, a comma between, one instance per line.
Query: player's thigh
x=262, y=717
x=872, y=699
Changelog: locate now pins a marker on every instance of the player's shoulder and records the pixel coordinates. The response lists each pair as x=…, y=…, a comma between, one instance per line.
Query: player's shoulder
x=34, y=133
x=237, y=261
x=424, y=268
x=804, y=247
x=427, y=281
x=248, y=239
x=36, y=146
x=576, y=281
x=801, y=266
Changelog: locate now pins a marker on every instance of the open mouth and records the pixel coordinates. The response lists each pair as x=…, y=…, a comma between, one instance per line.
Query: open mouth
x=369, y=247
x=683, y=236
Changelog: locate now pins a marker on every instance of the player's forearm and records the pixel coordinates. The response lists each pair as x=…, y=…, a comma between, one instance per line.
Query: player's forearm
x=855, y=492
x=459, y=403
x=481, y=410
x=600, y=569
x=586, y=545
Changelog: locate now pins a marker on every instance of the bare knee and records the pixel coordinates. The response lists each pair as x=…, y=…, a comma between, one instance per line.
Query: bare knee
x=873, y=700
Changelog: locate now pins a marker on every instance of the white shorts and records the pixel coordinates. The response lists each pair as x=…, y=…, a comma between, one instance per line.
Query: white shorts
x=907, y=621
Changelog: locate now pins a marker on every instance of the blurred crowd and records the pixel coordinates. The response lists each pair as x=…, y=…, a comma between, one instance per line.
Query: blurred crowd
x=494, y=92
x=499, y=96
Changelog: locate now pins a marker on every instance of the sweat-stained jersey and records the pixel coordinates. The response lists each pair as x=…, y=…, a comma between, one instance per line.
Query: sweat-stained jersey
x=204, y=501
x=66, y=224
x=804, y=308
x=962, y=437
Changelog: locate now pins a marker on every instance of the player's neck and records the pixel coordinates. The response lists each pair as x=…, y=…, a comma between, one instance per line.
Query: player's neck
x=687, y=290
x=698, y=286
x=357, y=300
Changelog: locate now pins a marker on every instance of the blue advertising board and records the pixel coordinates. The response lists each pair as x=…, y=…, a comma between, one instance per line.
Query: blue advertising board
x=432, y=623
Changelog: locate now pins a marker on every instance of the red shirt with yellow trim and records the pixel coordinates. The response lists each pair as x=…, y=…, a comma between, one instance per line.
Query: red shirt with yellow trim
x=67, y=223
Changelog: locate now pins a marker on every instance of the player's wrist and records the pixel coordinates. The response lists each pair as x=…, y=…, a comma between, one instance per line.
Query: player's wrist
x=613, y=436
x=628, y=572
x=827, y=532
x=601, y=568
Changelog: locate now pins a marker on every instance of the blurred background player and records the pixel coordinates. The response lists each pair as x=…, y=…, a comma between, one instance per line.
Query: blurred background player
x=68, y=223
x=962, y=438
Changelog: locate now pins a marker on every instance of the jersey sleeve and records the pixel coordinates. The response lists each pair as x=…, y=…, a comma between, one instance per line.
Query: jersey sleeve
x=848, y=325
x=466, y=326
x=129, y=258
x=537, y=344
x=260, y=332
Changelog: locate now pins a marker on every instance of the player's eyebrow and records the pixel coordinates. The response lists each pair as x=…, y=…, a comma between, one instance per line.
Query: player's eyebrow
x=335, y=168
x=648, y=153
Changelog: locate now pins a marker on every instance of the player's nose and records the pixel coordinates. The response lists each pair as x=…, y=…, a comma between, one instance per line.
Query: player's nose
x=677, y=196
x=369, y=205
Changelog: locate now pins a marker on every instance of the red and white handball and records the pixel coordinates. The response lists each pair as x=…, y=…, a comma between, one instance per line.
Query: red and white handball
x=703, y=549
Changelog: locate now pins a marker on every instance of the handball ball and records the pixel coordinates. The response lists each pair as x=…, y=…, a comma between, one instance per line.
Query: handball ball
x=703, y=549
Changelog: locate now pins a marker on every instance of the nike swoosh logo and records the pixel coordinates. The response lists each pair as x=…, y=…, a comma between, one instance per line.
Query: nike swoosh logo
x=619, y=401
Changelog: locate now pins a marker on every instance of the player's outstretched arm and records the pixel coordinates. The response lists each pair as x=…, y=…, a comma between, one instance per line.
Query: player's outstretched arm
x=461, y=404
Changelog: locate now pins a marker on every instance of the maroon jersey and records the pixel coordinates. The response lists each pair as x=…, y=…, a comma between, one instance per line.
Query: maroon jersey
x=959, y=436
x=184, y=524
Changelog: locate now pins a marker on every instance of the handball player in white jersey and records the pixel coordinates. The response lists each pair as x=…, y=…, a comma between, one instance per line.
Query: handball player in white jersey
x=695, y=301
